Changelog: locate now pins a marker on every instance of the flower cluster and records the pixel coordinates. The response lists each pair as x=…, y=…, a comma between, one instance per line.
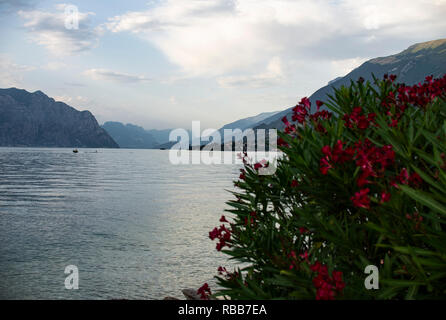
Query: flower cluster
x=204, y=291
x=339, y=172
x=281, y=142
x=390, y=78
x=327, y=287
x=358, y=120
x=261, y=164
x=361, y=199
x=418, y=95
x=222, y=271
x=301, y=114
x=242, y=174
x=251, y=219
x=414, y=180
x=302, y=110
x=292, y=257
x=222, y=233
x=334, y=155
x=372, y=160
x=318, y=116
x=421, y=94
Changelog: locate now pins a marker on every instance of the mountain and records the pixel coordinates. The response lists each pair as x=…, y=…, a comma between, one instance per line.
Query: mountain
x=411, y=66
x=248, y=122
x=130, y=136
x=36, y=120
x=135, y=137
x=161, y=136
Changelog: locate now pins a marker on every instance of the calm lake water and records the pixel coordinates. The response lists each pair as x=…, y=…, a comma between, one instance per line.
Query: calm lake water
x=134, y=225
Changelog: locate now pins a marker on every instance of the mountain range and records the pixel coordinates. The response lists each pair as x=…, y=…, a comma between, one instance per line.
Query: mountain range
x=36, y=120
x=130, y=135
x=410, y=66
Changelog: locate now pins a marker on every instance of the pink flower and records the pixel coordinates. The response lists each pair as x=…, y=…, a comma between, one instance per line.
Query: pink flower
x=204, y=291
x=361, y=199
x=285, y=121
x=242, y=174
x=325, y=165
x=385, y=197
x=403, y=177
x=281, y=143
x=303, y=230
x=304, y=255
x=327, y=287
x=221, y=270
x=257, y=166
x=222, y=234
x=415, y=180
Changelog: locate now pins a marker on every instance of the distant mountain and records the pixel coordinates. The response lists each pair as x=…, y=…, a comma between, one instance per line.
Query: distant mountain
x=411, y=66
x=241, y=124
x=36, y=120
x=136, y=137
x=161, y=136
x=248, y=122
x=130, y=136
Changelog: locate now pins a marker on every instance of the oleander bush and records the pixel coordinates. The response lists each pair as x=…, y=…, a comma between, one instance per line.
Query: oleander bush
x=362, y=183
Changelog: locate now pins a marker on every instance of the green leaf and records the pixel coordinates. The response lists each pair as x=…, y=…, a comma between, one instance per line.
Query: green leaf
x=423, y=198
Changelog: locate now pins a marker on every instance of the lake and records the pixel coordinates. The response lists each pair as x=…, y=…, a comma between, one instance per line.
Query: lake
x=135, y=225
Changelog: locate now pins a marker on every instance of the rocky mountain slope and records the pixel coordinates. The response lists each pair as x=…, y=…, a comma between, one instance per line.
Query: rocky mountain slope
x=411, y=66
x=36, y=120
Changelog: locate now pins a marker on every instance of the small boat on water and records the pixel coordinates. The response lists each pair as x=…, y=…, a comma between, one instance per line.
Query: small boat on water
x=75, y=151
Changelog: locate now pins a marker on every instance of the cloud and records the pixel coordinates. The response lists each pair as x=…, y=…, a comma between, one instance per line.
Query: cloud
x=54, y=65
x=344, y=66
x=11, y=74
x=48, y=29
x=217, y=38
x=273, y=75
x=173, y=100
x=72, y=100
x=74, y=84
x=104, y=74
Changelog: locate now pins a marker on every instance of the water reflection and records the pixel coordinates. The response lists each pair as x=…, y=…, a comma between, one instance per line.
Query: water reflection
x=135, y=225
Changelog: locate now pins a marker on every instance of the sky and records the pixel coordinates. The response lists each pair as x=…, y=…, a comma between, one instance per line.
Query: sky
x=162, y=64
